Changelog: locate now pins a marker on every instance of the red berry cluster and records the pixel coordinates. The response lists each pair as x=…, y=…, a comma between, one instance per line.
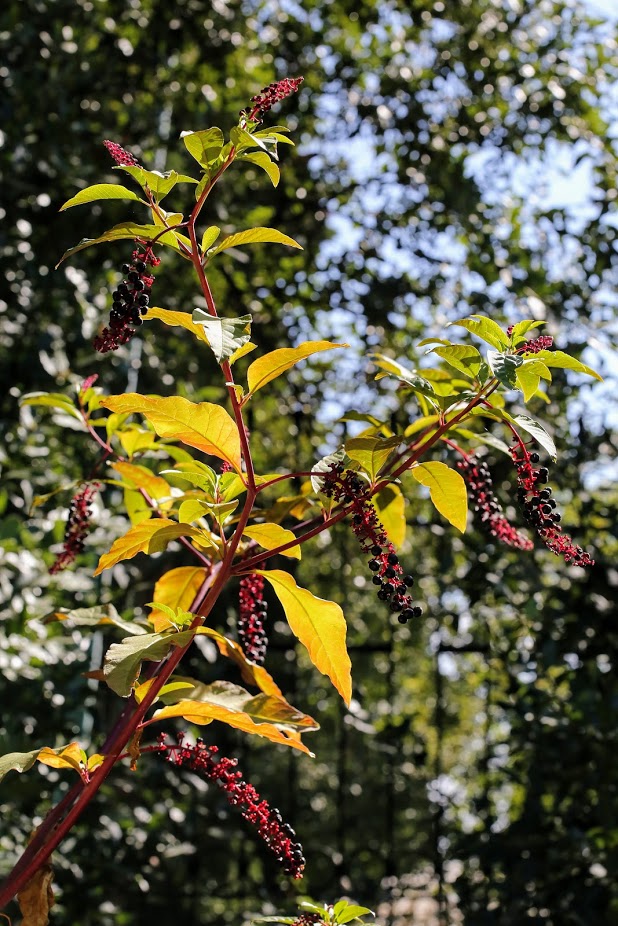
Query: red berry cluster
x=346, y=487
x=544, y=342
x=77, y=528
x=479, y=482
x=131, y=300
x=540, y=508
x=278, y=836
x=120, y=156
x=309, y=919
x=253, y=610
x=268, y=96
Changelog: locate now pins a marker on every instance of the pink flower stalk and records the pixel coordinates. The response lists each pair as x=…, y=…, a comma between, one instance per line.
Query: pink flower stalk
x=540, y=508
x=253, y=610
x=278, y=836
x=544, y=342
x=131, y=300
x=346, y=487
x=77, y=528
x=486, y=505
x=268, y=96
x=120, y=156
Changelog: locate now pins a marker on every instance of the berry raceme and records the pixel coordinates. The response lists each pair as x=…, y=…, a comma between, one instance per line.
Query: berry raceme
x=264, y=101
x=486, y=505
x=131, y=300
x=204, y=760
x=253, y=610
x=539, y=508
x=348, y=488
x=78, y=525
x=120, y=156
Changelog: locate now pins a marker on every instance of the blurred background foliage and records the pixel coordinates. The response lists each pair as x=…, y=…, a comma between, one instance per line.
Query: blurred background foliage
x=453, y=157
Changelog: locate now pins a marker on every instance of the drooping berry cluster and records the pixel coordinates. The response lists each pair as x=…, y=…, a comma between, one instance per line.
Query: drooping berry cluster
x=78, y=525
x=539, y=507
x=543, y=342
x=131, y=300
x=278, y=836
x=486, y=505
x=268, y=96
x=346, y=487
x=253, y=610
x=120, y=156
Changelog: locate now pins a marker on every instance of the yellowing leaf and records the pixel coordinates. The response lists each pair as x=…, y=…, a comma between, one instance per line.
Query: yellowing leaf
x=95, y=761
x=250, y=672
x=272, y=365
x=199, y=712
x=123, y=661
x=559, y=360
x=146, y=537
x=178, y=588
x=17, y=762
x=139, y=477
x=447, y=490
x=205, y=426
x=270, y=536
x=371, y=453
x=319, y=625
x=255, y=236
x=177, y=320
x=390, y=507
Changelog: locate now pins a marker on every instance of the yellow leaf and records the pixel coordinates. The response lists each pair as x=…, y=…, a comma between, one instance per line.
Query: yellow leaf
x=250, y=672
x=146, y=537
x=139, y=477
x=201, y=712
x=242, y=352
x=177, y=320
x=319, y=625
x=135, y=439
x=69, y=757
x=205, y=426
x=270, y=536
x=390, y=507
x=272, y=365
x=177, y=589
x=447, y=490
x=95, y=761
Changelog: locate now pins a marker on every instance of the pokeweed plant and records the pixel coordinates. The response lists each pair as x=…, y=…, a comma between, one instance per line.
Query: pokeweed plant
x=209, y=498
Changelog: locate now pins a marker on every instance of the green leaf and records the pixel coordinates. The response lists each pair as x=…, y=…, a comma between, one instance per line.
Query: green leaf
x=271, y=365
x=158, y=183
x=206, y=426
x=371, y=453
x=225, y=335
x=241, y=139
x=518, y=334
x=123, y=661
x=349, y=912
x=261, y=159
x=462, y=357
x=196, y=473
x=122, y=231
x=504, y=367
x=409, y=377
x=559, y=360
x=93, y=617
x=100, y=191
x=255, y=236
x=447, y=490
x=538, y=432
x=209, y=237
x=485, y=438
x=204, y=146
x=52, y=400
x=529, y=375
x=319, y=625
x=486, y=329
x=17, y=762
